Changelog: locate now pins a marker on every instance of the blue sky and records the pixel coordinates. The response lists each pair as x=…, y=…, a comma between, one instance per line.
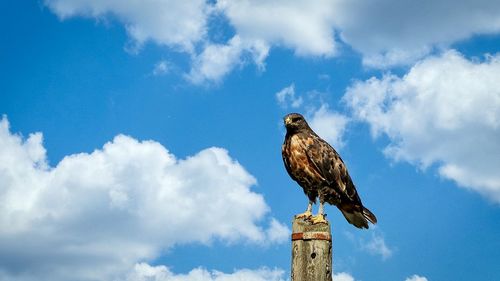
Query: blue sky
x=141, y=140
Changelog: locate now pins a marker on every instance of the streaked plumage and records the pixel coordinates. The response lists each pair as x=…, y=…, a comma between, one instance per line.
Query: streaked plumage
x=319, y=170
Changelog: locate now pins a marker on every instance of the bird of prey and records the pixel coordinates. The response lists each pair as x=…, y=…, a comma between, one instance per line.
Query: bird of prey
x=319, y=170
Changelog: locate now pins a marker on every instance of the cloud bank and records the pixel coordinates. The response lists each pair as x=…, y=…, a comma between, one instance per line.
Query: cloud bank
x=386, y=33
x=95, y=215
x=145, y=272
x=392, y=32
x=445, y=112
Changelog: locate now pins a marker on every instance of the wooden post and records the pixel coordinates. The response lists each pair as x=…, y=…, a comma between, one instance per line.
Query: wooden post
x=311, y=251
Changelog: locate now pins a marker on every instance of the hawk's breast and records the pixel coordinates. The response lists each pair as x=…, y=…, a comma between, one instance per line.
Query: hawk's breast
x=300, y=167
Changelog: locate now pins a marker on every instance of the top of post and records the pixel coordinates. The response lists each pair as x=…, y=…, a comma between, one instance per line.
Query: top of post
x=305, y=230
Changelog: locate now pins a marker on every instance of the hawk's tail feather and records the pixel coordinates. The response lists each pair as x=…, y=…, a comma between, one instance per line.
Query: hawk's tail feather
x=359, y=219
x=355, y=218
x=369, y=216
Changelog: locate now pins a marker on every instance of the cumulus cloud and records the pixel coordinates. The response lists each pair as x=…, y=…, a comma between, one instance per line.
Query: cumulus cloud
x=300, y=26
x=445, y=111
x=416, y=278
x=217, y=60
x=286, y=97
x=305, y=27
x=145, y=272
x=277, y=232
x=95, y=215
x=179, y=24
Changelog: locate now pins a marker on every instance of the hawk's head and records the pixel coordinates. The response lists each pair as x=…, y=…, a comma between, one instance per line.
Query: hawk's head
x=294, y=122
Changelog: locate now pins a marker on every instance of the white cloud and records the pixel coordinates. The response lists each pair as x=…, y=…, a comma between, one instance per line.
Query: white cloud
x=401, y=31
x=304, y=28
x=179, y=24
x=394, y=57
x=445, y=111
x=286, y=97
x=93, y=216
x=217, y=60
x=372, y=242
x=377, y=246
x=416, y=278
x=277, y=232
x=329, y=125
x=342, y=276
x=386, y=33
x=145, y=272
x=301, y=26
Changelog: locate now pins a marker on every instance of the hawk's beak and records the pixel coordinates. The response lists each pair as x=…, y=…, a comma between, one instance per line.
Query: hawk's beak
x=288, y=120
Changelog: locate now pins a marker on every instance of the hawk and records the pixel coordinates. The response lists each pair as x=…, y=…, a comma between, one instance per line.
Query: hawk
x=319, y=170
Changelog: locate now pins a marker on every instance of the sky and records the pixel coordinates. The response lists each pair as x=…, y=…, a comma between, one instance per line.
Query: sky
x=141, y=140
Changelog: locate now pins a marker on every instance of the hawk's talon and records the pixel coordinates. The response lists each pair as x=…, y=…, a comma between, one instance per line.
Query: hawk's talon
x=318, y=219
x=305, y=215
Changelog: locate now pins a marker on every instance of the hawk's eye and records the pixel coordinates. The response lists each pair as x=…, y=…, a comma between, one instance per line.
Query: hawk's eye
x=295, y=119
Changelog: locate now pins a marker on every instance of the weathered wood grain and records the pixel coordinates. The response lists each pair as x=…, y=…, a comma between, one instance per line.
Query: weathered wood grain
x=311, y=251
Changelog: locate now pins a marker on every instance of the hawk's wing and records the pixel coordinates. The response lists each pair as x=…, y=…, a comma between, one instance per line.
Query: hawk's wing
x=330, y=166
